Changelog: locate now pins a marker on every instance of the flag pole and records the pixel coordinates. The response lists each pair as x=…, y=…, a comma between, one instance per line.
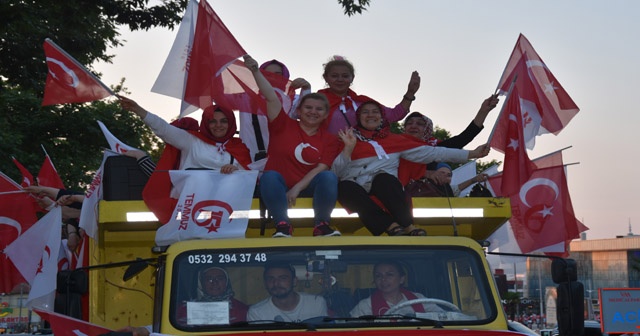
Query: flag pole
x=513, y=82
x=549, y=154
x=48, y=40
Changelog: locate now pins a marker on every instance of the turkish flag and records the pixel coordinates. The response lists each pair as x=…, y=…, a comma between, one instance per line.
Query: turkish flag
x=48, y=175
x=63, y=325
x=68, y=81
x=27, y=178
x=541, y=212
x=214, y=48
x=17, y=215
x=539, y=87
x=508, y=137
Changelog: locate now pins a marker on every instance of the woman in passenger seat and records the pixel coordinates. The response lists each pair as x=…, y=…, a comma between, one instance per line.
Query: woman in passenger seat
x=389, y=278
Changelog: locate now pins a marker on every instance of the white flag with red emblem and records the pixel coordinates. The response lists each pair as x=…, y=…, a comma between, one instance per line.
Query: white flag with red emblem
x=546, y=106
x=115, y=143
x=68, y=81
x=35, y=254
x=89, y=212
x=211, y=205
x=63, y=325
x=172, y=78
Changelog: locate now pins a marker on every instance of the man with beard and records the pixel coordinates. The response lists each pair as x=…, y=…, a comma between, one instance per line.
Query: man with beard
x=285, y=304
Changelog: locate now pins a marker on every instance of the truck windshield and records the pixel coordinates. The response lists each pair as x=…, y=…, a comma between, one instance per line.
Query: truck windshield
x=330, y=287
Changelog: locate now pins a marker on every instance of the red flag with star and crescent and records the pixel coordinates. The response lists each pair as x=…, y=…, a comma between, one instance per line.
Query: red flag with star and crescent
x=17, y=215
x=508, y=137
x=541, y=211
x=68, y=81
x=549, y=105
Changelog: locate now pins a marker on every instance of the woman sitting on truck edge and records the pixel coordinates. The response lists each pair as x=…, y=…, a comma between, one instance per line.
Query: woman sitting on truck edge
x=368, y=166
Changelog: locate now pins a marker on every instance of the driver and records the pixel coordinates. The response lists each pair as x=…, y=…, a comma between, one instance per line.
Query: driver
x=389, y=277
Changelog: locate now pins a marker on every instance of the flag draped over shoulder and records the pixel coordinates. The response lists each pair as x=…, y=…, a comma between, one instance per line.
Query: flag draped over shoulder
x=68, y=81
x=543, y=98
x=63, y=325
x=17, y=215
x=542, y=216
x=211, y=205
x=35, y=254
x=115, y=144
x=508, y=137
x=48, y=175
x=213, y=49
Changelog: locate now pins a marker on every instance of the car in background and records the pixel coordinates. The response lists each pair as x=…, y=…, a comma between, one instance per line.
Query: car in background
x=521, y=328
x=591, y=328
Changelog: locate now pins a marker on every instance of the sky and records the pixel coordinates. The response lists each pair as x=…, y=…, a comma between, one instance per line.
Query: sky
x=460, y=49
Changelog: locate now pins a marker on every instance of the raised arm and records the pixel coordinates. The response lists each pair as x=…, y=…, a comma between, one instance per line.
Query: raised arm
x=273, y=103
x=412, y=88
x=486, y=107
x=131, y=105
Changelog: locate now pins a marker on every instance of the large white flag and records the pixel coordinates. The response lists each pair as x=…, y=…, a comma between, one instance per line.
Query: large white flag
x=173, y=77
x=463, y=173
x=35, y=255
x=211, y=205
x=115, y=143
x=88, y=213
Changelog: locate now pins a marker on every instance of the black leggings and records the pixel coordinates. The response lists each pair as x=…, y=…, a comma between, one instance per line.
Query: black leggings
x=388, y=189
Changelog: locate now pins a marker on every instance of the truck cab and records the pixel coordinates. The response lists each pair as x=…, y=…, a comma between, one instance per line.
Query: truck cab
x=450, y=285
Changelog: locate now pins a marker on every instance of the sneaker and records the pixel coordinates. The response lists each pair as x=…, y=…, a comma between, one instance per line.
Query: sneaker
x=324, y=230
x=283, y=229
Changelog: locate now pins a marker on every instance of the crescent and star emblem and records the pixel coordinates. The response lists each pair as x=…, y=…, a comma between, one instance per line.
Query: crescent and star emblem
x=72, y=75
x=542, y=209
x=298, y=153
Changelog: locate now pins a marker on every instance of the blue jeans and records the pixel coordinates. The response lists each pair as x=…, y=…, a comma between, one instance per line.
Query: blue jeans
x=323, y=188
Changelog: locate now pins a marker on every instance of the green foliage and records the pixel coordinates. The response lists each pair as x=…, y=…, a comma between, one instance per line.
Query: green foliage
x=69, y=132
x=352, y=7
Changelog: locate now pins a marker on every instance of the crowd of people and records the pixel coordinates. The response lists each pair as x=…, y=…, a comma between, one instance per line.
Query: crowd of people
x=331, y=145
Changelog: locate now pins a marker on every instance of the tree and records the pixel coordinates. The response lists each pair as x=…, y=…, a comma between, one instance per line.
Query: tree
x=352, y=8
x=85, y=29
x=69, y=133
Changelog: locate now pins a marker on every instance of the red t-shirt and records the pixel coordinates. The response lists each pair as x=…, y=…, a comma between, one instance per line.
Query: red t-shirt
x=293, y=153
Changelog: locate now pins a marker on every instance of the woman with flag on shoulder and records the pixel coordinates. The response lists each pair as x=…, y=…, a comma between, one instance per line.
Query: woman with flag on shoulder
x=368, y=166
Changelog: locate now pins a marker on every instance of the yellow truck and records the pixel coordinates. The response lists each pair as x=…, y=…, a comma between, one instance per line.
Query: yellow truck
x=447, y=272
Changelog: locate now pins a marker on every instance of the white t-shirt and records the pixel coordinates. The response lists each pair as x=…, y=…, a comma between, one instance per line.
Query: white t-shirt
x=309, y=306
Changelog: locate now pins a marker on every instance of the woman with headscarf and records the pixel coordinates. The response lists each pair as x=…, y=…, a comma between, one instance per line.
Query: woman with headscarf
x=214, y=286
x=420, y=127
x=390, y=280
x=254, y=130
x=368, y=166
x=339, y=74
x=211, y=147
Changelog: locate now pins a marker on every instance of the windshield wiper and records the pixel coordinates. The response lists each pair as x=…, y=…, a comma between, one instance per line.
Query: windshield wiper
x=434, y=323
x=300, y=325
